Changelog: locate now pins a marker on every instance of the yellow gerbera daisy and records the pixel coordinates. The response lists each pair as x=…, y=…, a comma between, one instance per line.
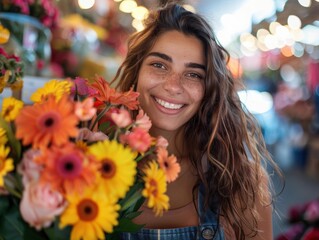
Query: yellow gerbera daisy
x=118, y=167
x=155, y=188
x=58, y=88
x=90, y=214
x=3, y=136
x=11, y=108
x=6, y=164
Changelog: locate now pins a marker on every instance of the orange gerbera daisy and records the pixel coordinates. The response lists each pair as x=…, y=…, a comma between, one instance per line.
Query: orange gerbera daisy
x=108, y=94
x=50, y=122
x=67, y=168
x=169, y=164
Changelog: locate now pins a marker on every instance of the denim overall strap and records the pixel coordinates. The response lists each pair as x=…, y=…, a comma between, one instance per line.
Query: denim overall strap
x=185, y=233
x=208, y=227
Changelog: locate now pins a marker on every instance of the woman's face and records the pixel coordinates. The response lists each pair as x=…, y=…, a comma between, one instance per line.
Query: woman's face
x=171, y=80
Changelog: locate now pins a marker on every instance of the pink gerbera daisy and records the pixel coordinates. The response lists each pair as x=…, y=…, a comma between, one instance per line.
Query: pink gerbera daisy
x=68, y=169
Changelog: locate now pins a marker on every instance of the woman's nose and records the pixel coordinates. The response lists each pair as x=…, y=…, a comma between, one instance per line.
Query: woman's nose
x=173, y=84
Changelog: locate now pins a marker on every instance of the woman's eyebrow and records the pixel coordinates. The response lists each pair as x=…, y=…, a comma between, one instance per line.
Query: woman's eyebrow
x=168, y=58
x=195, y=65
x=160, y=55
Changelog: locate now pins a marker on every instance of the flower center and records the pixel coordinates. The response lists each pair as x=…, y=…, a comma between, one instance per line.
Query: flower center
x=8, y=111
x=166, y=164
x=153, y=187
x=69, y=166
x=49, y=120
x=2, y=159
x=108, y=168
x=87, y=210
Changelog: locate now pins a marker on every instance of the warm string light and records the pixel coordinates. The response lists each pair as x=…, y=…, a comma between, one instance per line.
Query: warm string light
x=286, y=38
x=139, y=13
x=291, y=38
x=305, y=3
x=86, y=4
x=127, y=6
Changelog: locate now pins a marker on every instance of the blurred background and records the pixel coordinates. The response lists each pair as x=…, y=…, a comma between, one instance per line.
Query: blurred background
x=273, y=46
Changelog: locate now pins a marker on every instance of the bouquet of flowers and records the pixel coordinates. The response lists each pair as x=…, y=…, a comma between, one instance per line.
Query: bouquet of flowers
x=79, y=163
x=11, y=70
x=305, y=222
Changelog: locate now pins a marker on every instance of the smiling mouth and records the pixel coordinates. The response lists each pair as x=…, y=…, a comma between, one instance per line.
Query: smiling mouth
x=168, y=105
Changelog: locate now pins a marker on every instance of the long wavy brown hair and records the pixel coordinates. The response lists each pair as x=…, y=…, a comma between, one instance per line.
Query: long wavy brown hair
x=222, y=130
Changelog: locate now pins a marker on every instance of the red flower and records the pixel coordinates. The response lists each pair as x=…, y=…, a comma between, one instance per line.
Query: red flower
x=311, y=234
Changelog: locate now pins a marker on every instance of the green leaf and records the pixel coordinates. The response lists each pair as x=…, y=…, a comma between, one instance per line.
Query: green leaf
x=133, y=215
x=100, y=115
x=14, y=143
x=126, y=225
x=104, y=126
x=132, y=198
x=137, y=205
x=4, y=204
x=61, y=234
x=135, y=188
x=31, y=233
x=131, y=201
x=112, y=236
x=56, y=233
x=11, y=224
x=49, y=232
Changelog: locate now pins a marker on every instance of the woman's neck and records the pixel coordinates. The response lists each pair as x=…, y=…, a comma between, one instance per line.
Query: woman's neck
x=174, y=140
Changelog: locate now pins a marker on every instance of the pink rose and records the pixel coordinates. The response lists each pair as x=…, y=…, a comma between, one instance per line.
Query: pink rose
x=143, y=121
x=29, y=170
x=87, y=135
x=85, y=110
x=122, y=118
x=138, y=140
x=40, y=205
x=161, y=142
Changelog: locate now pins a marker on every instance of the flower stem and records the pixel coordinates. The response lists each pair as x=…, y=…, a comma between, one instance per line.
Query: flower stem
x=100, y=115
x=139, y=158
x=11, y=189
x=132, y=200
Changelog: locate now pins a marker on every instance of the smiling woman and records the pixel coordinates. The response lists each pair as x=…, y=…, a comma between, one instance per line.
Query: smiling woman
x=180, y=71
x=171, y=81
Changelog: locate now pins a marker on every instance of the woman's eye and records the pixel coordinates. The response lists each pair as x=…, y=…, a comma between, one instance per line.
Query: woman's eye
x=195, y=75
x=158, y=65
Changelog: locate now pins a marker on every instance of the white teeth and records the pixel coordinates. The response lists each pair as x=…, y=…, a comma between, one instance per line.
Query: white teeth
x=168, y=105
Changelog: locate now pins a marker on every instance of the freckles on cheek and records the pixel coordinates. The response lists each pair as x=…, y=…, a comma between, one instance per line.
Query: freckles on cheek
x=196, y=90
